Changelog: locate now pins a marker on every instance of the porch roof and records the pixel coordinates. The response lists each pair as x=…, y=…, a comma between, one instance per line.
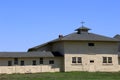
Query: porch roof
x=25, y=54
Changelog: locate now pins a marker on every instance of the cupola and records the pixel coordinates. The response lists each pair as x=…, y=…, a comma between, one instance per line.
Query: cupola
x=82, y=29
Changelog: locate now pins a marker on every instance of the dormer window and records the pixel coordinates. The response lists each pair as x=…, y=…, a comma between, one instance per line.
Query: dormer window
x=91, y=44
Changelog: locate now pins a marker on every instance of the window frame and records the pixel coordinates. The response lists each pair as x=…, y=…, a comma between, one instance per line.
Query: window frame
x=107, y=60
x=9, y=63
x=34, y=62
x=74, y=60
x=51, y=61
x=79, y=59
x=41, y=61
x=104, y=59
x=15, y=61
x=22, y=62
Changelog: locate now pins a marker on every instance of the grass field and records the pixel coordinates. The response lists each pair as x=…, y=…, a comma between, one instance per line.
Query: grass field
x=63, y=76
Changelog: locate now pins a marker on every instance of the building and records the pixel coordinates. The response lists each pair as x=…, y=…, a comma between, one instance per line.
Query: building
x=78, y=51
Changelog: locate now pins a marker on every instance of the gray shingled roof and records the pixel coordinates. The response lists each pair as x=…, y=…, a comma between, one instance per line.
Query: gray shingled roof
x=44, y=44
x=88, y=37
x=25, y=54
x=80, y=37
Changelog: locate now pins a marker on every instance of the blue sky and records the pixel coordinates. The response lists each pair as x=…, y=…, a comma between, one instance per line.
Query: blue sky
x=27, y=23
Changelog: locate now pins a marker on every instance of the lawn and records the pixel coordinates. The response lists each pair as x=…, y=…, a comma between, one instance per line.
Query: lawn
x=63, y=76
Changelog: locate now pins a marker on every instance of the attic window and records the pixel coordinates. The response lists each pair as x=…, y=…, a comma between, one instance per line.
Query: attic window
x=91, y=44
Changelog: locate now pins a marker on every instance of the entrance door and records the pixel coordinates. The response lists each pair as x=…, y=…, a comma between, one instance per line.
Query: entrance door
x=91, y=66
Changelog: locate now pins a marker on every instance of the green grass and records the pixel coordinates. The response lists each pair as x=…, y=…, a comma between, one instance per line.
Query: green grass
x=63, y=76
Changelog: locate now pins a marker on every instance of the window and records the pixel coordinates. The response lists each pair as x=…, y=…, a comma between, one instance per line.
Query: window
x=16, y=61
x=91, y=61
x=51, y=62
x=41, y=60
x=104, y=59
x=79, y=60
x=73, y=59
x=91, y=44
x=76, y=59
x=107, y=59
x=22, y=63
x=34, y=62
x=9, y=63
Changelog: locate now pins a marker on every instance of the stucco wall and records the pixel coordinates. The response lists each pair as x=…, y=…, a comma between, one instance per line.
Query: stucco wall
x=98, y=64
x=29, y=68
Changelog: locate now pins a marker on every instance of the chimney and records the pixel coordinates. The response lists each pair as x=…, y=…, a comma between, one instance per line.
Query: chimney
x=60, y=36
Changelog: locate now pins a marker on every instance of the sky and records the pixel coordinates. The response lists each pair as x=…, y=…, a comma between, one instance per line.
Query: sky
x=28, y=23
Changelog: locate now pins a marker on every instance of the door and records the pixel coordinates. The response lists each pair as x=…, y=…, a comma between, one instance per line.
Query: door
x=91, y=66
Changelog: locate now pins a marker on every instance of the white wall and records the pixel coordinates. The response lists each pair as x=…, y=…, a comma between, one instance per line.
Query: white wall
x=81, y=49
x=98, y=64
x=29, y=68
